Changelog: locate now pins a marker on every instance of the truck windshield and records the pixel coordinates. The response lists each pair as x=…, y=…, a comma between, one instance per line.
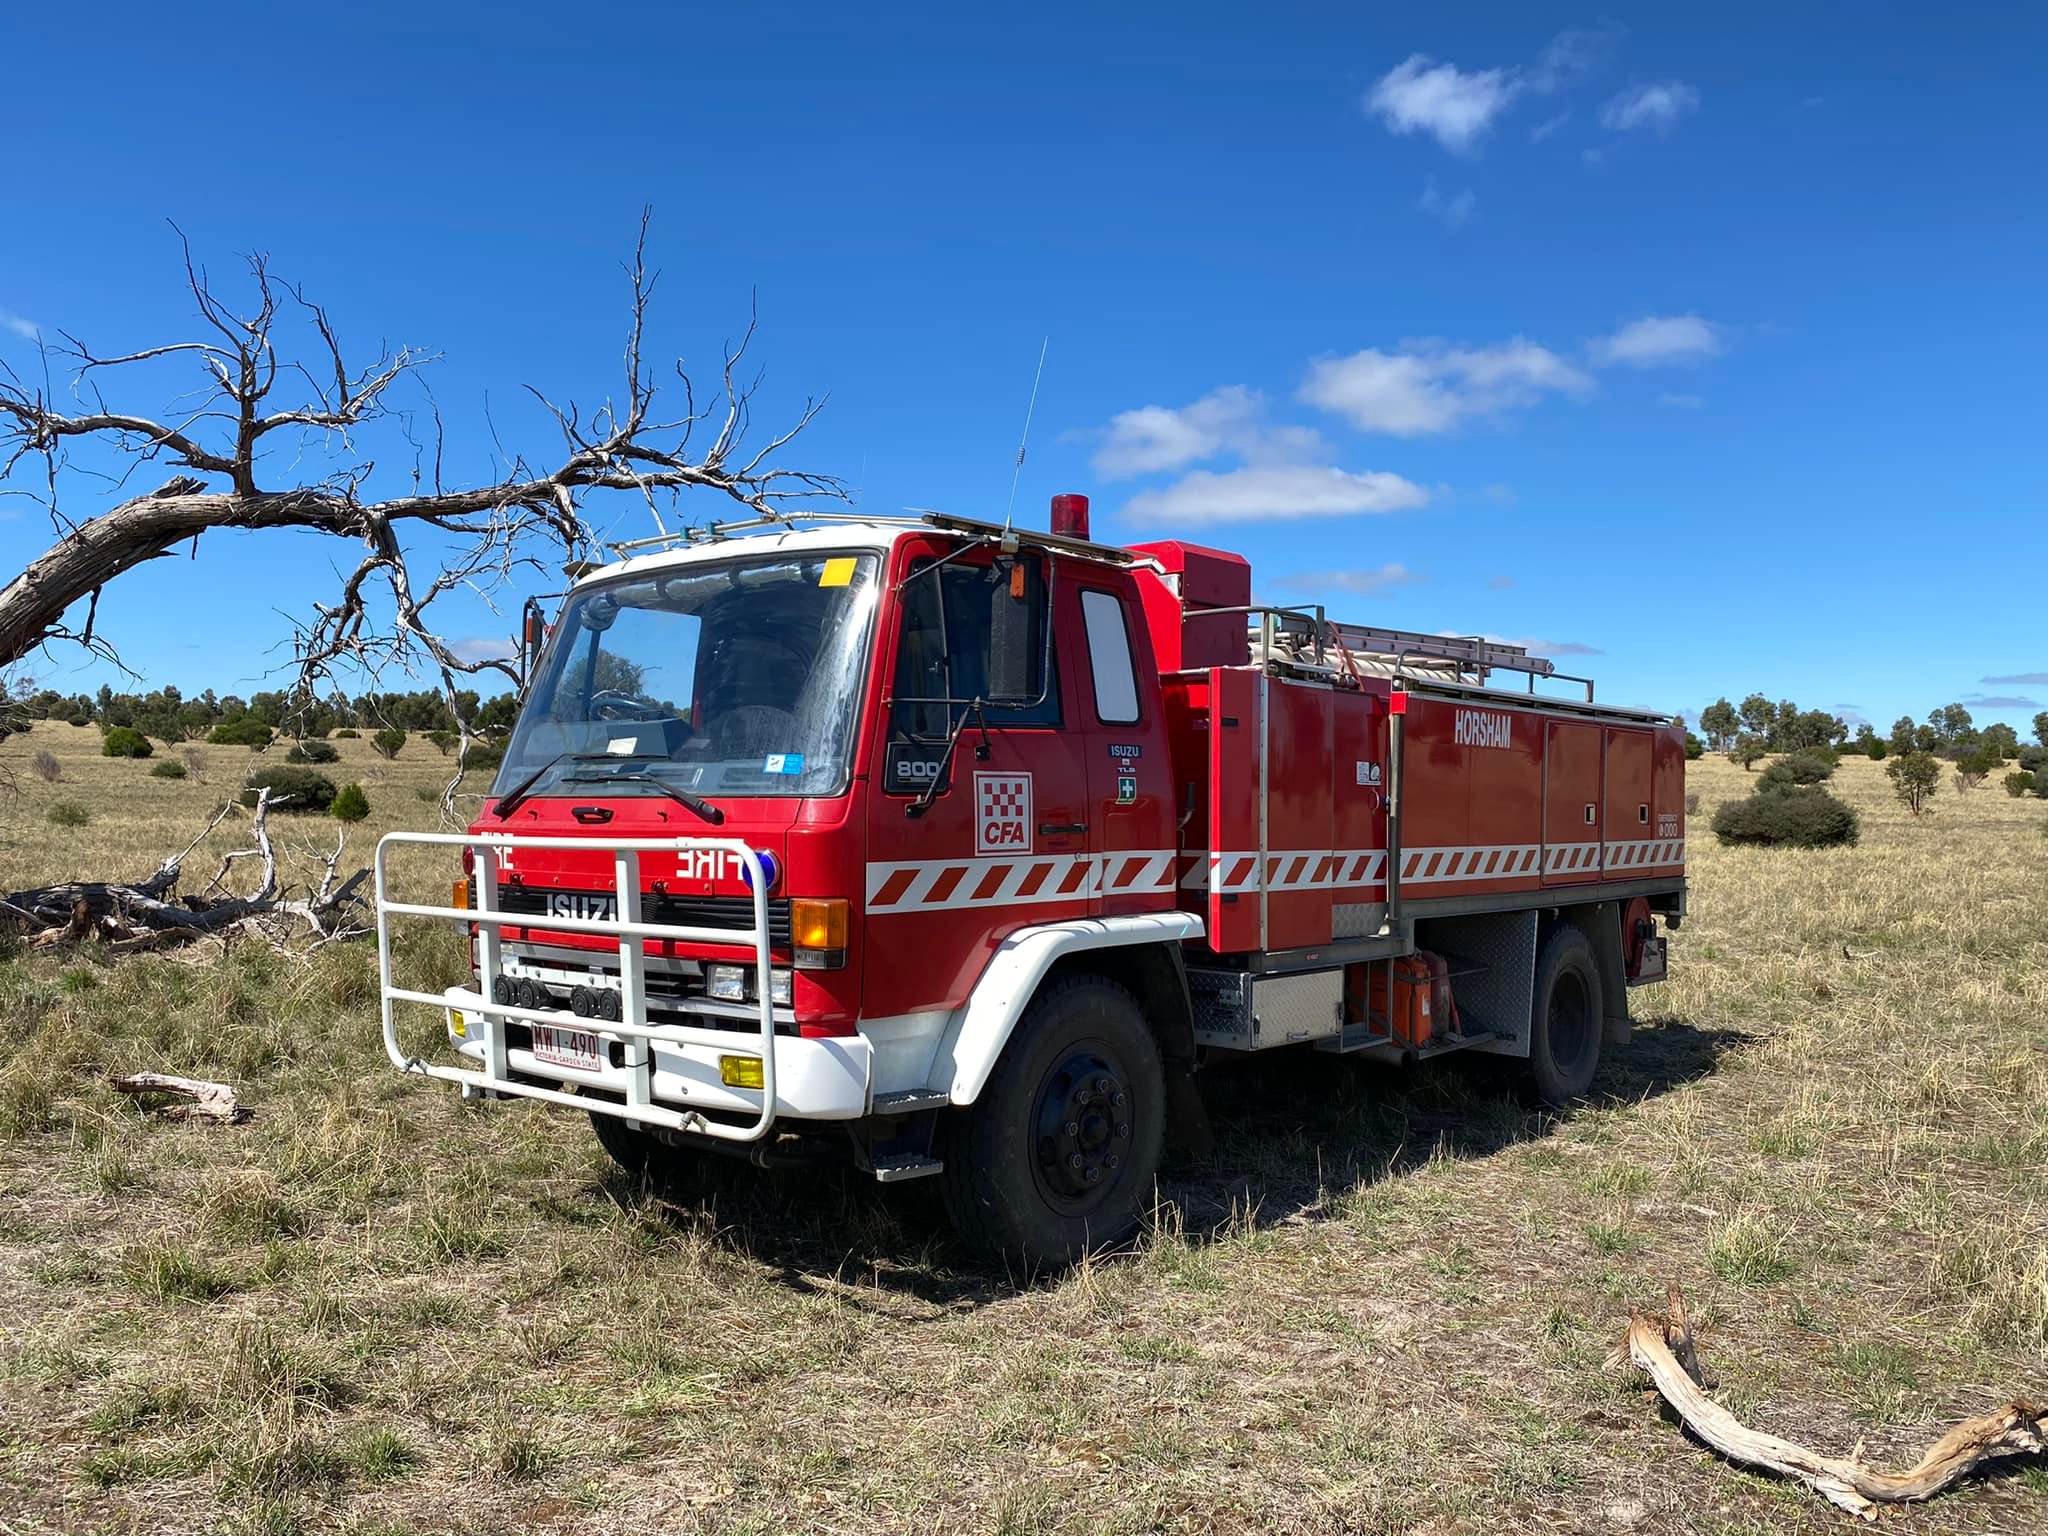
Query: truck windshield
x=733, y=677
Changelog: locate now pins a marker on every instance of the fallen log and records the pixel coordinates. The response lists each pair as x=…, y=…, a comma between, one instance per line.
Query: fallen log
x=192, y=1098
x=147, y=913
x=1664, y=1348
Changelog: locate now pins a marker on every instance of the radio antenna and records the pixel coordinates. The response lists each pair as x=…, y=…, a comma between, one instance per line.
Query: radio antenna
x=1023, y=442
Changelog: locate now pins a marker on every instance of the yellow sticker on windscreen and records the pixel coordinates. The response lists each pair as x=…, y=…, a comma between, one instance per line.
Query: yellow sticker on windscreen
x=838, y=572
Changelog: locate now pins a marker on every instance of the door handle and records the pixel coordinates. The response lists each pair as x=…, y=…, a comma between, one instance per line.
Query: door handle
x=1062, y=828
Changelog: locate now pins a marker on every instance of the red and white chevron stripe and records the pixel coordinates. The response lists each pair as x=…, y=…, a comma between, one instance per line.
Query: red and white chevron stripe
x=940, y=885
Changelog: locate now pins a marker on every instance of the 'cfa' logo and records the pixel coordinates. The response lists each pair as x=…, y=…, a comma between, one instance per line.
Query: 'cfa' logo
x=1481, y=728
x=1002, y=813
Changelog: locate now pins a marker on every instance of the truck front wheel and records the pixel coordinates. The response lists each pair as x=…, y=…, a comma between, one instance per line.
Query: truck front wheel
x=671, y=1170
x=1056, y=1157
x=1565, y=1022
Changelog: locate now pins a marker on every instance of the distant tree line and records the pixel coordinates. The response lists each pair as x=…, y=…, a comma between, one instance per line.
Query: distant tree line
x=1758, y=728
x=170, y=716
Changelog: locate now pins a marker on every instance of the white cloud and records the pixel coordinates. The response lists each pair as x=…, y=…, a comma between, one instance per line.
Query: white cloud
x=28, y=330
x=481, y=649
x=1457, y=107
x=1656, y=340
x=1263, y=492
x=2034, y=678
x=1419, y=95
x=1657, y=106
x=1360, y=583
x=1548, y=126
x=1454, y=209
x=1427, y=388
x=1227, y=420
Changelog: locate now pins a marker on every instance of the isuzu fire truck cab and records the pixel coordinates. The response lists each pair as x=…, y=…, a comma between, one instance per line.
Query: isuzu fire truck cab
x=957, y=849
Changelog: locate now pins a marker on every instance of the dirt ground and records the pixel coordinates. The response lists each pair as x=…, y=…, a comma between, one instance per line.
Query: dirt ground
x=1385, y=1304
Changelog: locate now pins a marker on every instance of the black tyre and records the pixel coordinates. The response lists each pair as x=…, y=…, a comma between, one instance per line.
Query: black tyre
x=1565, y=1022
x=647, y=1158
x=1056, y=1157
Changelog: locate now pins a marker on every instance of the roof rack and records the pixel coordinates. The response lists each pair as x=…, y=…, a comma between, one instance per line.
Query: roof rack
x=712, y=533
x=1474, y=651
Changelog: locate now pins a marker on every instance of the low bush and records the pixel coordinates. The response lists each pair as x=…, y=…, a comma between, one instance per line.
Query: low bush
x=347, y=733
x=1792, y=817
x=351, y=804
x=43, y=764
x=388, y=743
x=1877, y=747
x=245, y=731
x=169, y=768
x=444, y=741
x=1915, y=777
x=1808, y=767
x=303, y=791
x=66, y=813
x=313, y=752
x=484, y=757
x=125, y=741
x=2019, y=784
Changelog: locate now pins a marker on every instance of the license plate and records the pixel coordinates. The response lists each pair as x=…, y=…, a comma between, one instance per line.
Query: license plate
x=576, y=1049
x=581, y=904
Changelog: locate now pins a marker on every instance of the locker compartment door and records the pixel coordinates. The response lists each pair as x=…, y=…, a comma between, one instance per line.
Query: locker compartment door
x=1630, y=821
x=1572, y=795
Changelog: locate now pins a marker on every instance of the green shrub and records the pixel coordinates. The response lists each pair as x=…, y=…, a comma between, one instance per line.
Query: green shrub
x=310, y=793
x=245, y=731
x=169, y=768
x=67, y=813
x=347, y=733
x=1794, y=817
x=1877, y=747
x=387, y=743
x=444, y=741
x=313, y=752
x=2019, y=784
x=125, y=741
x=1973, y=767
x=1808, y=767
x=484, y=757
x=351, y=804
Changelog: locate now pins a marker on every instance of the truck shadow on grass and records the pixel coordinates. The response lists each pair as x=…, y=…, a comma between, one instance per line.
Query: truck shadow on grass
x=1292, y=1131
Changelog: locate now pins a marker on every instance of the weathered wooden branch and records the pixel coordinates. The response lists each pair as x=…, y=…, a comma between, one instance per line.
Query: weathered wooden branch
x=192, y=1098
x=143, y=915
x=1664, y=1348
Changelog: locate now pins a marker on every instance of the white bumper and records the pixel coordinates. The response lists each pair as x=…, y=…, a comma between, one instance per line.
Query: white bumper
x=825, y=1079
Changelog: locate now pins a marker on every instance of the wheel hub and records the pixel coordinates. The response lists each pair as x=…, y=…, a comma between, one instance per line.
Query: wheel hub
x=1083, y=1125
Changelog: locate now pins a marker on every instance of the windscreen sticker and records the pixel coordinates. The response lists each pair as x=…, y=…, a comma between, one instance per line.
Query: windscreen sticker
x=783, y=762
x=623, y=746
x=838, y=571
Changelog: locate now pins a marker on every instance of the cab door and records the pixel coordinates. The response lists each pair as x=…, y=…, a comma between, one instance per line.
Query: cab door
x=1130, y=772
x=972, y=833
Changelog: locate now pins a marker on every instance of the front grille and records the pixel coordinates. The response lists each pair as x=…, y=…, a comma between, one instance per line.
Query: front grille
x=733, y=913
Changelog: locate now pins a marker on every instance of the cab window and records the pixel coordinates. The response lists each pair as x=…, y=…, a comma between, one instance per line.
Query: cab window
x=1109, y=658
x=950, y=615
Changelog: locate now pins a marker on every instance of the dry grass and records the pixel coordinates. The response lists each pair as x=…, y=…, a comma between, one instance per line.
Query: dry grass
x=1383, y=1306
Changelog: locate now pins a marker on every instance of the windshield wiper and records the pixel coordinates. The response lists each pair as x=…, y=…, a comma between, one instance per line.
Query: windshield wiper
x=514, y=797
x=684, y=798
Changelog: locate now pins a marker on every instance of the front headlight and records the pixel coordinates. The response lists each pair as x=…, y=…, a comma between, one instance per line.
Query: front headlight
x=778, y=987
x=725, y=983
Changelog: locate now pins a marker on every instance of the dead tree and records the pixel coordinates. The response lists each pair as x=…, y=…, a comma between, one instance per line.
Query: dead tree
x=236, y=442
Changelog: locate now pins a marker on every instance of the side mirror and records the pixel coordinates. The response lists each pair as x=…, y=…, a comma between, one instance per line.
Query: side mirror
x=1012, y=645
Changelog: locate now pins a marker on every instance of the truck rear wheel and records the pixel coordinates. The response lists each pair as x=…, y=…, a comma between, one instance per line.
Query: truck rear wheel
x=1056, y=1157
x=1565, y=1023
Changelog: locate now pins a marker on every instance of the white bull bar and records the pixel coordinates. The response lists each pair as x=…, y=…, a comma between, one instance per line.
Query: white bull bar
x=629, y=929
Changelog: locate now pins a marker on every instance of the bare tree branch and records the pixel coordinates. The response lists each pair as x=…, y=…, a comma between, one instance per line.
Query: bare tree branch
x=484, y=538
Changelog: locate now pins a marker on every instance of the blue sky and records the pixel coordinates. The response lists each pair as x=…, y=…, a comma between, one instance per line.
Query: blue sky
x=1700, y=345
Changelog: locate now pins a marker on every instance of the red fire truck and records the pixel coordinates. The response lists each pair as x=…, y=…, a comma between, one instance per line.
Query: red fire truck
x=957, y=850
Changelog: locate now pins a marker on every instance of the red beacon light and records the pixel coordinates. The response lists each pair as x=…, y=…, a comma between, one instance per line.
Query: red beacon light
x=1070, y=516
